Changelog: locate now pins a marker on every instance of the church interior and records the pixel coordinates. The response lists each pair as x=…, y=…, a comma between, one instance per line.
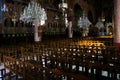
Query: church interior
x=59, y=40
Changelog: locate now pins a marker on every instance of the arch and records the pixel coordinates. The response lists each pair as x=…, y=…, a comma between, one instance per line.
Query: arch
x=6, y=21
x=90, y=16
x=108, y=18
x=77, y=10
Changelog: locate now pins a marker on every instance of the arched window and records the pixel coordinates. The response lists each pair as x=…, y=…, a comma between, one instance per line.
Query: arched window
x=90, y=16
x=77, y=13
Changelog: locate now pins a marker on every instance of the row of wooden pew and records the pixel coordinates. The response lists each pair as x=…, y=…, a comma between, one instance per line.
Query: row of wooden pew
x=63, y=62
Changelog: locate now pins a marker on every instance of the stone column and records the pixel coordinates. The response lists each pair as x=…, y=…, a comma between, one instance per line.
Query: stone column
x=70, y=23
x=37, y=37
x=117, y=22
x=70, y=30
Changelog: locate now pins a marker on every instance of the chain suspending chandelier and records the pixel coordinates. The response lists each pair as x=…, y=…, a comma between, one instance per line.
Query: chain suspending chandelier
x=33, y=12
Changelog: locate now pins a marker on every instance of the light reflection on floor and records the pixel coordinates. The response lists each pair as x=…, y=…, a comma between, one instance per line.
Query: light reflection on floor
x=104, y=73
x=2, y=67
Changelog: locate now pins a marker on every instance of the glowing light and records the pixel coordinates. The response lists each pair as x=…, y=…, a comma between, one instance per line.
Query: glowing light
x=32, y=12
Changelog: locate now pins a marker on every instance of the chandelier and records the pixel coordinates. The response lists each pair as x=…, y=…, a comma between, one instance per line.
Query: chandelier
x=64, y=6
x=33, y=12
x=4, y=8
x=83, y=21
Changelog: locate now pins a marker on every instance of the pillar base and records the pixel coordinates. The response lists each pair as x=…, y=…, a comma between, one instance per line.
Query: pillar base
x=116, y=44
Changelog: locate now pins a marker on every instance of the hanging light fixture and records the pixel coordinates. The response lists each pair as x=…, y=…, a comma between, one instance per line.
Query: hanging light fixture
x=32, y=12
x=64, y=6
x=35, y=14
x=102, y=17
x=83, y=21
x=4, y=8
x=56, y=17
